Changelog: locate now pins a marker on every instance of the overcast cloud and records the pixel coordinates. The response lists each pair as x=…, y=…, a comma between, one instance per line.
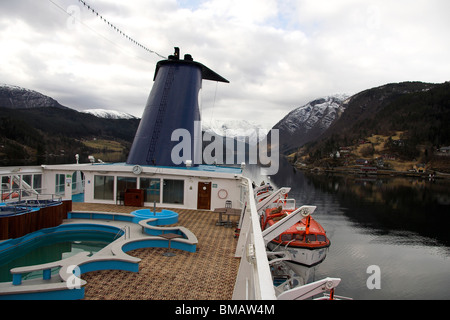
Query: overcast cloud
x=277, y=54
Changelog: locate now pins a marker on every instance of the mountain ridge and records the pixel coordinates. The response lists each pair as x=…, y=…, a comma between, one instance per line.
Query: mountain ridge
x=15, y=97
x=36, y=129
x=405, y=121
x=108, y=114
x=305, y=123
x=365, y=104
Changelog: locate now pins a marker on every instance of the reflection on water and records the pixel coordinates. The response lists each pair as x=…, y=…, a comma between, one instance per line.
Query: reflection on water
x=385, y=205
x=398, y=224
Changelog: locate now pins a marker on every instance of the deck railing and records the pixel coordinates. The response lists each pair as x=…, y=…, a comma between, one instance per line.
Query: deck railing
x=254, y=280
x=17, y=194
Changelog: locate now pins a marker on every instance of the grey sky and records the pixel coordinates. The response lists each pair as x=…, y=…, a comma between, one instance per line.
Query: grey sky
x=278, y=55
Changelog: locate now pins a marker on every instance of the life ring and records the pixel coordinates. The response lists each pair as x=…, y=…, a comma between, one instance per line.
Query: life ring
x=221, y=193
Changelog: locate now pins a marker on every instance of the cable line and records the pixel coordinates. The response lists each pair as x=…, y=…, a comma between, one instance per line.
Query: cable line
x=90, y=8
x=99, y=34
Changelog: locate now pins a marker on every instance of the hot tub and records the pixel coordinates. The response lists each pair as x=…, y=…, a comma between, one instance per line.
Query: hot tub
x=165, y=217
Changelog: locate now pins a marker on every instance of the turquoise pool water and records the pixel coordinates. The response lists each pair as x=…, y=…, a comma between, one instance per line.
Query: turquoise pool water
x=165, y=217
x=51, y=247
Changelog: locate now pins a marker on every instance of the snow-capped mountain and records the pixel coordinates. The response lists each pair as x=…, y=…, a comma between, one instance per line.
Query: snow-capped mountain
x=306, y=123
x=15, y=97
x=109, y=114
x=236, y=129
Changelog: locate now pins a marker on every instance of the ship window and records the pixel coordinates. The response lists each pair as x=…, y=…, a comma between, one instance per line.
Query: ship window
x=60, y=184
x=27, y=180
x=104, y=188
x=286, y=237
x=173, y=191
x=27, y=185
x=321, y=238
x=310, y=237
x=152, y=189
x=124, y=183
x=5, y=183
x=37, y=182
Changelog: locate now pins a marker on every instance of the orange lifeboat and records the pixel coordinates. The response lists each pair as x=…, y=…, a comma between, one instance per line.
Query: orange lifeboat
x=306, y=241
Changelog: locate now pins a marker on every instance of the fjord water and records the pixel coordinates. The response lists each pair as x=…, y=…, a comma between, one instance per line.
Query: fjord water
x=398, y=224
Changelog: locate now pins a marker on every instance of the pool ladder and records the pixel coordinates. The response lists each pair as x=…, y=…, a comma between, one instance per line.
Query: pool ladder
x=126, y=233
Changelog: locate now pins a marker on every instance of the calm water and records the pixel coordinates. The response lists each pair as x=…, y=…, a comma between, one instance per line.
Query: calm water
x=398, y=224
x=49, y=249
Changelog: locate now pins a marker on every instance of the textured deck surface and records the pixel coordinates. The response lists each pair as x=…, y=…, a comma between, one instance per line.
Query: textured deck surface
x=208, y=274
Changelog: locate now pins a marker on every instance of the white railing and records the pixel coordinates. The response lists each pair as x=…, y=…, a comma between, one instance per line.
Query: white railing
x=254, y=279
x=13, y=195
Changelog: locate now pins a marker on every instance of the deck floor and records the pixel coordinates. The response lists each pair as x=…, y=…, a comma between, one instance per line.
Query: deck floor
x=208, y=274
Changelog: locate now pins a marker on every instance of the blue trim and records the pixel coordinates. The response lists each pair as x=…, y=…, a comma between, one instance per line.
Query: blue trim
x=109, y=265
x=47, y=274
x=65, y=294
x=156, y=243
x=17, y=279
x=157, y=232
x=200, y=168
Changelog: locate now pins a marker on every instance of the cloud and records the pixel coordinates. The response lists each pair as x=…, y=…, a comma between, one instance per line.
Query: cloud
x=278, y=55
x=248, y=12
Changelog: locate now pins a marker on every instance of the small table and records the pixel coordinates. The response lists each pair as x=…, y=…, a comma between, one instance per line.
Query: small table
x=229, y=212
x=170, y=236
x=220, y=211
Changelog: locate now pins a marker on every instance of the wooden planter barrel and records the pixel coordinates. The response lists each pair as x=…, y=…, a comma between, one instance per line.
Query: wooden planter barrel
x=17, y=226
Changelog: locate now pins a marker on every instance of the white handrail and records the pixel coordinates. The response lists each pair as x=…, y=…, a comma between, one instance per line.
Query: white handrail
x=271, y=198
x=310, y=290
x=254, y=279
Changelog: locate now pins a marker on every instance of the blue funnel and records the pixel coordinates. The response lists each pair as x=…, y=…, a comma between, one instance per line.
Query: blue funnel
x=172, y=104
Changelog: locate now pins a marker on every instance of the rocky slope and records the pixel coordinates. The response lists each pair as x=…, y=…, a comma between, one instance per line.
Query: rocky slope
x=14, y=97
x=306, y=123
x=36, y=129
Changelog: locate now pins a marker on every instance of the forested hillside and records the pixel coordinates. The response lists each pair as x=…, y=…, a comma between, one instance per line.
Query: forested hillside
x=419, y=112
x=54, y=135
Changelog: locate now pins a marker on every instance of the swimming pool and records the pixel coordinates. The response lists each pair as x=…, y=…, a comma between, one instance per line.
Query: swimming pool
x=123, y=232
x=51, y=245
x=54, y=246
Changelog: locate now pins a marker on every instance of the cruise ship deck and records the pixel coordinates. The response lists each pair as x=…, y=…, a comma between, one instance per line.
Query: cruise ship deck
x=208, y=274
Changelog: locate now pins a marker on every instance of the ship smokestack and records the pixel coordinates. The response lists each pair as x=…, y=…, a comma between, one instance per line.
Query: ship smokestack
x=172, y=104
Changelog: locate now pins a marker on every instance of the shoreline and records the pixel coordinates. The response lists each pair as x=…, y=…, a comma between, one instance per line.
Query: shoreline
x=357, y=171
